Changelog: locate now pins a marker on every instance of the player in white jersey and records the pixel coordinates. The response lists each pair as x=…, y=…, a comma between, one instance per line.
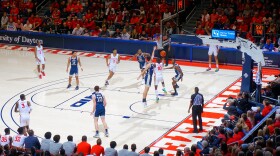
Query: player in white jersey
x=112, y=61
x=6, y=139
x=158, y=68
x=24, y=108
x=40, y=59
x=213, y=49
x=18, y=140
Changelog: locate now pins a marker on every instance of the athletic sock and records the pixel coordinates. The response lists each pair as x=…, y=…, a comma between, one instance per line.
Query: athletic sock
x=97, y=132
x=144, y=100
x=156, y=93
x=209, y=65
x=217, y=65
x=106, y=130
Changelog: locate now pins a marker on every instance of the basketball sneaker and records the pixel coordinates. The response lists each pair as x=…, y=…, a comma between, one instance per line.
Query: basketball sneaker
x=217, y=69
x=43, y=73
x=77, y=88
x=174, y=94
x=157, y=99
x=208, y=69
x=106, y=83
x=145, y=104
x=69, y=85
x=40, y=76
x=164, y=90
x=96, y=135
x=106, y=134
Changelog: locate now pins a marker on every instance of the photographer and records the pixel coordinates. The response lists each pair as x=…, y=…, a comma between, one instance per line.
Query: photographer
x=231, y=109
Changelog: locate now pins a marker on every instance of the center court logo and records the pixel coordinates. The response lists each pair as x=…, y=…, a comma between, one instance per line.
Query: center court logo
x=82, y=102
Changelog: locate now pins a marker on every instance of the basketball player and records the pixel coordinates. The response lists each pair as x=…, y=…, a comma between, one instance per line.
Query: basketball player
x=6, y=139
x=74, y=61
x=40, y=59
x=18, y=140
x=99, y=104
x=141, y=58
x=159, y=77
x=112, y=64
x=179, y=76
x=149, y=70
x=213, y=49
x=24, y=108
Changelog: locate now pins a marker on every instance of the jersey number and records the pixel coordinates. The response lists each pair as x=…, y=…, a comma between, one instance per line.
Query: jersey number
x=3, y=139
x=99, y=99
x=17, y=139
x=22, y=105
x=159, y=67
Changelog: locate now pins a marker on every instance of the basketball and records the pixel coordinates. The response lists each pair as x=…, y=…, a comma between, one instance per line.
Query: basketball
x=162, y=53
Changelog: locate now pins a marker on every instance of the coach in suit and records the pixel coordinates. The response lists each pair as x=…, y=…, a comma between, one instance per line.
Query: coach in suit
x=196, y=104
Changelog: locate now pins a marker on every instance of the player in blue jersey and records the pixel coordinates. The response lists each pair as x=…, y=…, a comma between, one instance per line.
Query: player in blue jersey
x=148, y=72
x=179, y=76
x=99, y=104
x=141, y=58
x=73, y=61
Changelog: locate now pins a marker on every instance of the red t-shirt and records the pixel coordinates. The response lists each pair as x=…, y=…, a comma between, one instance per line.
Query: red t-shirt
x=214, y=17
x=37, y=21
x=266, y=110
x=97, y=150
x=84, y=147
x=200, y=32
x=134, y=20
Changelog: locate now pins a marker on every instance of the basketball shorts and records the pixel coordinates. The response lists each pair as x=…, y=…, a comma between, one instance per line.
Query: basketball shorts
x=177, y=77
x=158, y=80
x=142, y=65
x=148, y=80
x=73, y=72
x=213, y=51
x=113, y=68
x=99, y=113
x=41, y=60
x=24, y=120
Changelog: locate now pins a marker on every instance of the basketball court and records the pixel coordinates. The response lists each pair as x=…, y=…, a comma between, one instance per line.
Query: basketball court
x=67, y=111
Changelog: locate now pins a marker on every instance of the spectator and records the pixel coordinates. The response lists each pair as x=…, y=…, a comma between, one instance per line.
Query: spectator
x=133, y=150
x=268, y=46
x=134, y=19
x=97, y=149
x=83, y=147
x=146, y=150
x=31, y=141
x=64, y=29
x=104, y=32
x=27, y=26
x=166, y=14
x=127, y=27
x=125, y=35
x=134, y=34
x=117, y=34
x=124, y=151
x=10, y=25
x=55, y=145
x=258, y=117
x=199, y=31
x=86, y=33
x=18, y=25
x=143, y=35
x=179, y=152
x=69, y=146
x=45, y=143
x=243, y=104
x=4, y=21
x=231, y=109
x=77, y=30
x=267, y=107
x=110, y=151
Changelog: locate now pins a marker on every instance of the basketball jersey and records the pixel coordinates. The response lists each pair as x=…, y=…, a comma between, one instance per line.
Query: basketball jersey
x=18, y=140
x=5, y=139
x=99, y=99
x=114, y=59
x=177, y=71
x=74, y=62
x=23, y=107
x=141, y=58
x=158, y=69
x=40, y=52
x=150, y=71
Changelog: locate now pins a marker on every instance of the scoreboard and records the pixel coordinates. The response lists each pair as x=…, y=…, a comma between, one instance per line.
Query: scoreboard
x=180, y=5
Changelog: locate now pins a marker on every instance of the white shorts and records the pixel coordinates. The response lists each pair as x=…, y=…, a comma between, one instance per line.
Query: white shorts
x=24, y=120
x=213, y=51
x=42, y=60
x=113, y=68
x=158, y=80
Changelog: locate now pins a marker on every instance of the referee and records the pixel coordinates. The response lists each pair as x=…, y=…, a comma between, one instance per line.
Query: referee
x=196, y=103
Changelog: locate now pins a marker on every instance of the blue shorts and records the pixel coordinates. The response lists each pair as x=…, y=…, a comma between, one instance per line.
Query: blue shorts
x=142, y=65
x=99, y=112
x=177, y=77
x=73, y=72
x=148, y=80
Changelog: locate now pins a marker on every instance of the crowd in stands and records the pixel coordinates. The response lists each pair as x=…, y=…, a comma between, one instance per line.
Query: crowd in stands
x=244, y=16
x=129, y=19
